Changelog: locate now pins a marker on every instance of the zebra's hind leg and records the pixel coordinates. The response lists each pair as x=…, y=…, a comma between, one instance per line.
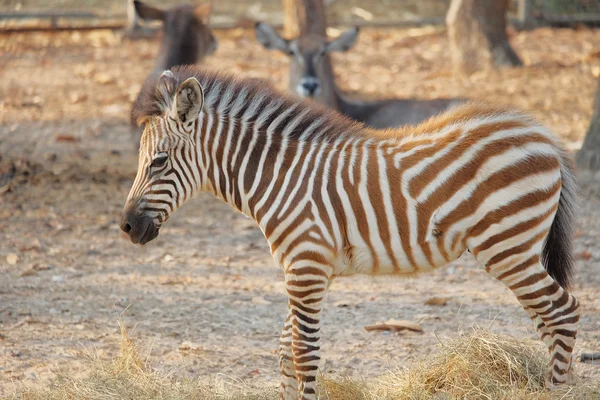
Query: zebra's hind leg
x=538, y=293
x=289, y=382
x=540, y=327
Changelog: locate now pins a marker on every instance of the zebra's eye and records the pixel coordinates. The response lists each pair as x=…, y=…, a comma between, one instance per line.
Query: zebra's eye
x=159, y=161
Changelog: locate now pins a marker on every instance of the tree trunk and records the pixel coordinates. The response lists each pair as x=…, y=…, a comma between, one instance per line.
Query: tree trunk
x=303, y=17
x=589, y=155
x=477, y=32
x=133, y=25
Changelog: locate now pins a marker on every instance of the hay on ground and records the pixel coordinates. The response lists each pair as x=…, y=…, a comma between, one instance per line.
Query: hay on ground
x=481, y=365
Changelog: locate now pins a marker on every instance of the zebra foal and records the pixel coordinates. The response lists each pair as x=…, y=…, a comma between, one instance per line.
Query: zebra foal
x=334, y=198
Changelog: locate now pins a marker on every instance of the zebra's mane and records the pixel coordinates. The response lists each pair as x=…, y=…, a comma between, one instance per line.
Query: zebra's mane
x=224, y=93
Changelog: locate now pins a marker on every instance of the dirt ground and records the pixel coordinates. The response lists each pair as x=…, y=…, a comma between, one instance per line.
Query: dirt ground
x=205, y=296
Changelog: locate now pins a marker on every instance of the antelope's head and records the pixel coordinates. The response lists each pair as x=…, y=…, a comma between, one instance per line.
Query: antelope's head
x=187, y=38
x=311, y=74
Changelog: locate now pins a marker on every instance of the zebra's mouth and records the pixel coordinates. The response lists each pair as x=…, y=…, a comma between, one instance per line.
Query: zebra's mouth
x=150, y=234
x=141, y=230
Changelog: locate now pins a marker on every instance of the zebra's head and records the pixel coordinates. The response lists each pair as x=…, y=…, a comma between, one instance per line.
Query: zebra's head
x=167, y=166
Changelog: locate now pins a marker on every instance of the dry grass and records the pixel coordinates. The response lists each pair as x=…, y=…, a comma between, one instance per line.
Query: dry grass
x=482, y=365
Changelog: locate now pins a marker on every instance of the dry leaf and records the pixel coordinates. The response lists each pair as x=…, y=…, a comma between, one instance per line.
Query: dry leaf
x=436, y=301
x=346, y=303
x=399, y=325
x=44, y=267
x=77, y=97
x=172, y=281
x=12, y=259
x=33, y=245
x=67, y=138
x=584, y=255
x=104, y=78
x=260, y=300
x=29, y=272
x=394, y=325
x=190, y=347
x=85, y=70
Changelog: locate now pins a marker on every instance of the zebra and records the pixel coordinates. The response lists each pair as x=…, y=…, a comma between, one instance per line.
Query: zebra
x=334, y=198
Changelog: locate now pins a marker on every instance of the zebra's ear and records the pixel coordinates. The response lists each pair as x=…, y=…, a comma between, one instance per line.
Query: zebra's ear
x=188, y=101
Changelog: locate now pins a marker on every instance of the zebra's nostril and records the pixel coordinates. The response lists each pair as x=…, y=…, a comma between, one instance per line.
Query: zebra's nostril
x=127, y=227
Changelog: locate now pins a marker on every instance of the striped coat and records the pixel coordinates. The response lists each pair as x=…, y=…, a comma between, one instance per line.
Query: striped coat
x=334, y=198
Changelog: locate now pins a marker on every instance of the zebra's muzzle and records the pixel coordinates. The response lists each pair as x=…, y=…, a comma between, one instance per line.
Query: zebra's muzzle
x=140, y=229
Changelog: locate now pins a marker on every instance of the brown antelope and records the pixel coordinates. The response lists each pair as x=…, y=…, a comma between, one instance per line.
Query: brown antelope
x=311, y=76
x=336, y=198
x=186, y=39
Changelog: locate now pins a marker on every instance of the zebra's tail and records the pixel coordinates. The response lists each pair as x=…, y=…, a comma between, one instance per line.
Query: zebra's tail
x=557, y=255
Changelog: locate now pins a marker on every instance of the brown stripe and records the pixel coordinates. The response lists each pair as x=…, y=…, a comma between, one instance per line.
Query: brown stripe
x=274, y=222
x=222, y=126
x=306, y=271
x=568, y=320
x=400, y=207
x=530, y=280
x=527, y=201
x=300, y=294
x=304, y=214
x=209, y=146
x=375, y=193
x=465, y=175
x=520, y=268
x=497, y=181
x=317, y=197
x=352, y=191
x=522, y=248
x=515, y=230
x=310, y=255
x=288, y=157
x=545, y=291
x=560, y=302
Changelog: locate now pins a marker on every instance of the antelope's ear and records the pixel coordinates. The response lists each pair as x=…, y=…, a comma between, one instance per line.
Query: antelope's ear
x=202, y=13
x=188, y=101
x=147, y=12
x=267, y=36
x=343, y=42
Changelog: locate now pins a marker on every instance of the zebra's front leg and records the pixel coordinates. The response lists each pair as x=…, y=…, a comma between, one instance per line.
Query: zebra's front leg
x=306, y=287
x=289, y=382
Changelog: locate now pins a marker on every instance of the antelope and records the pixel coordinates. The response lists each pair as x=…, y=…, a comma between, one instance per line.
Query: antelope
x=186, y=38
x=311, y=76
x=335, y=198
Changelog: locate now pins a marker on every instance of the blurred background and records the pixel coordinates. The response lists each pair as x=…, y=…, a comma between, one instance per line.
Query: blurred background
x=69, y=73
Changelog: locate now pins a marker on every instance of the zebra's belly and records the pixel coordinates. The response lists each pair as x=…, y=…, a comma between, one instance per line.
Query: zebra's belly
x=363, y=260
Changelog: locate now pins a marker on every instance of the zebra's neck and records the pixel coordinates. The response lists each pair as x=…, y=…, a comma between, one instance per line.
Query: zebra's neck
x=258, y=153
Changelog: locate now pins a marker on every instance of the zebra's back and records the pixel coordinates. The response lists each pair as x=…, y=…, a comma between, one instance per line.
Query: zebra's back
x=408, y=202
